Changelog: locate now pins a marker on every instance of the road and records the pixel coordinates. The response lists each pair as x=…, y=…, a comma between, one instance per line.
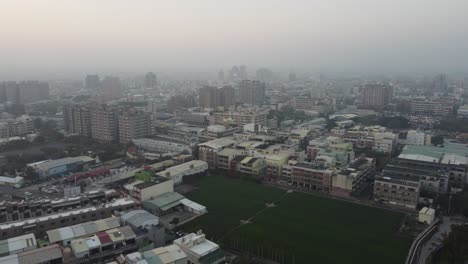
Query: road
x=436, y=239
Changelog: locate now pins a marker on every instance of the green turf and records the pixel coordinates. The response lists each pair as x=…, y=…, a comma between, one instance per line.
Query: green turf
x=144, y=176
x=302, y=227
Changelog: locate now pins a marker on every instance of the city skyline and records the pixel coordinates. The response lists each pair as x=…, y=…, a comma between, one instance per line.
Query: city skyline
x=66, y=38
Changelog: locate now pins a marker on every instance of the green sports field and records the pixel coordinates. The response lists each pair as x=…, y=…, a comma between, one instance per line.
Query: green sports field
x=300, y=228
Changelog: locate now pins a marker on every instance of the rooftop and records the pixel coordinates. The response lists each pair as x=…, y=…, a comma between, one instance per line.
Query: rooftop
x=219, y=143
x=140, y=218
x=62, y=162
x=183, y=168
x=88, y=228
x=165, y=201
x=197, y=243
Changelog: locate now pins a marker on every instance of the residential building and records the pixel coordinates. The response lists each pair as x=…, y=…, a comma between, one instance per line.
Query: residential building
x=104, y=124
x=191, y=116
x=311, y=176
x=353, y=179
x=77, y=119
x=208, y=151
x=20, y=126
x=213, y=97
x=432, y=107
x=146, y=227
x=209, y=97
x=331, y=150
x=413, y=137
x=111, y=88
x=375, y=95
x=254, y=167
x=172, y=254
x=397, y=190
x=40, y=224
x=150, y=80
x=92, y=82
x=17, y=244
x=65, y=235
x=241, y=117
x=133, y=124
x=146, y=190
x=161, y=146
x=200, y=250
x=252, y=92
x=218, y=131
x=384, y=142
x=47, y=254
x=226, y=156
x=178, y=172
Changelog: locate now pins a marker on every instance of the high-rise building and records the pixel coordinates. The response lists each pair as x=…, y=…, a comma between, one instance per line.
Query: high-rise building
x=23, y=92
x=440, y=83
x=77, y=119
x=111, y=88
x=150, y=80
x=221, y=75
x=292, y=77
x=375, y=95
x=133, y=124
x=209, y=97
x=180, y=101
x=3, y=97
x=104, y=124
x=92, y=81
x=212, y=97
x=228, y=96
x=12, y=93
x=30, y=91
x=252, y=92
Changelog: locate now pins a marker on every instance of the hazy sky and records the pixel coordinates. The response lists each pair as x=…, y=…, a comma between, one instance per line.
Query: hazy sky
x=77, y=36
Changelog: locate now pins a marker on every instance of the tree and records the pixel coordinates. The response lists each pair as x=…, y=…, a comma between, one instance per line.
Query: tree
x=30, y=174
x=455, y=250
x=330, y=124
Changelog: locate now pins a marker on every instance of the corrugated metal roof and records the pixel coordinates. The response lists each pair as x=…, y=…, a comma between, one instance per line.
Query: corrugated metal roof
x=164, y=199
x=40, y=255
x=140, y=218
x=84, y=229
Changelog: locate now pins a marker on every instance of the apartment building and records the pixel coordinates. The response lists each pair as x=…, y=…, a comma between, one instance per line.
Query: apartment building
x=355, y=178
x=20, y=126
x=208, y=151
x=241, y=117
x=375, y=95
x=432, y=107
x=200, y=250
x=311, y=176
x=40, y=224
x=252, y=92
x=77, y=120
x=397, y=190
x=133, y=124
x=104, y=124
